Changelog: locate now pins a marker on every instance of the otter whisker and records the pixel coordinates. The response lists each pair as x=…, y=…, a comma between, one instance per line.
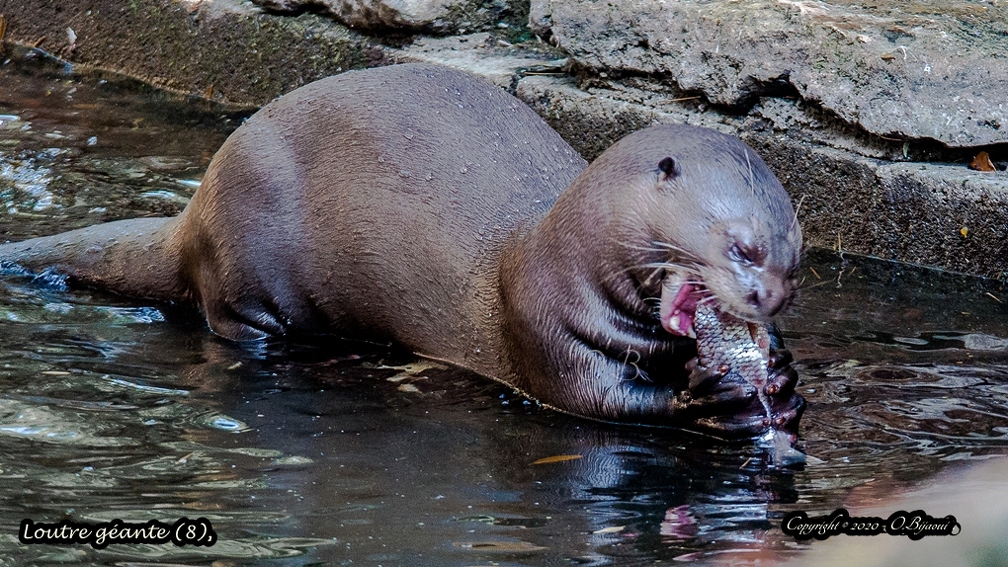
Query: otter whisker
x=752, y=186
x=691, y=275
x=630, y=246
x=652, y=248
x=706, y=299
x=615, y=274
x=669, y=266
x=794, y=220
x=654, y=273
x=664, y=244
x=683, y=270
x=659, y=246
x=688, y=269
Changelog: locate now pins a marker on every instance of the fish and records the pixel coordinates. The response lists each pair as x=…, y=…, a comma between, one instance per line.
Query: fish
x=743, y=347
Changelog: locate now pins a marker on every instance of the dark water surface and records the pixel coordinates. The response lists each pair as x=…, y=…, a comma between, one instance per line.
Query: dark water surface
x=350, y=454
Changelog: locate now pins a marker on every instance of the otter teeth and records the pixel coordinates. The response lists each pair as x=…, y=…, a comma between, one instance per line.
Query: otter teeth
x=682, y=324
x=678, y=307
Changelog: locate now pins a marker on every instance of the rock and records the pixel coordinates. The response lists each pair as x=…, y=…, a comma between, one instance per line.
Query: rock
x=540, y=19
x=434, y=16
x=925, y=70
x=480, y=54
x=225, y=50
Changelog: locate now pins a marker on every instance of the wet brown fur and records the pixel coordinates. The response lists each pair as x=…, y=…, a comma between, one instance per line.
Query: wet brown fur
x=415, y=204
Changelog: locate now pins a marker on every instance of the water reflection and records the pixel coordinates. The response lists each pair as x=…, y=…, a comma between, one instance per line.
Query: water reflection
x=344, y=452
x=76, y=150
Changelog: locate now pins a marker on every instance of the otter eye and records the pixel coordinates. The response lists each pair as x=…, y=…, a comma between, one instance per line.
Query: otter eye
x=737, y=255
x=743, y=254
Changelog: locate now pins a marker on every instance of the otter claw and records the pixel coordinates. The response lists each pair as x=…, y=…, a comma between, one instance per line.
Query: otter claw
x=788, y=414
x=703, y=379
x=782, y=377
x=779, y=358
x=728, y=408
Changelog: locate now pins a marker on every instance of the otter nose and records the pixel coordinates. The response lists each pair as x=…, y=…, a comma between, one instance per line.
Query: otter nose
x=770, y=299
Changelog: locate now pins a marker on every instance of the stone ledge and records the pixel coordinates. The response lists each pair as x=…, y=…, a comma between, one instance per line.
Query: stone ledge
x=225, y=50
x=481, y=54
x=908, y=70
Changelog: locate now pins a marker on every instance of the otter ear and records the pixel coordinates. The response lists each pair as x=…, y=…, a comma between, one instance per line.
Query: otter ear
x=668, y=169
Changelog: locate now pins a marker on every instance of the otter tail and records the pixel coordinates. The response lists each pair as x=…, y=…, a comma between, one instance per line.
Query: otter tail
x=136, y=257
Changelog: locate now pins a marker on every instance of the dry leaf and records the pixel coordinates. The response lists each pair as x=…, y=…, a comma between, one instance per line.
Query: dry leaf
x=556, y=459
x=500, y=546
x=982, y=162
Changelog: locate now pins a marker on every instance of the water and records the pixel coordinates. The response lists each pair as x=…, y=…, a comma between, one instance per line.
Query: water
x=354, y=454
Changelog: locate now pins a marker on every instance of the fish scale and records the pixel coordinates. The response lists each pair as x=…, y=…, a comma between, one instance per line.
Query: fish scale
x=725, y=340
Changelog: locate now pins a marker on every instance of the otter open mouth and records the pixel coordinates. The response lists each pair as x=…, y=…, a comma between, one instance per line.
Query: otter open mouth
x=677, y=309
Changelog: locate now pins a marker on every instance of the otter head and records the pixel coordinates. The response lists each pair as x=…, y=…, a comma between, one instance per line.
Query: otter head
x=725, y=226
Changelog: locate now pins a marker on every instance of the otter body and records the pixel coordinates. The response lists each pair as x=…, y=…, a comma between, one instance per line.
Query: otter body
x=421, y=205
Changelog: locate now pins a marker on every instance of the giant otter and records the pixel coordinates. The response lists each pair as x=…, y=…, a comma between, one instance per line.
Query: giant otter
x=421, y=205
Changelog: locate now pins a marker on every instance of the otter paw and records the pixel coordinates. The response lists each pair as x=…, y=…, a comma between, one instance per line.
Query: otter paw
x=782, y=377
x=730, y=408
x=786, y=412
x=786, y=407
x=711, y=395
x=743, y=424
